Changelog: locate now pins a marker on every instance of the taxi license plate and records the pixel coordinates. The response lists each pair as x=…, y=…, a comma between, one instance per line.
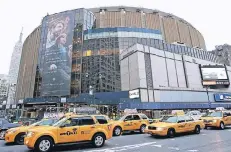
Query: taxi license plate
x=149, y=132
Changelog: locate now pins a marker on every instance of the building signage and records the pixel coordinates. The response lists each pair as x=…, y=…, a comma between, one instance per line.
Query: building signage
x=134, y=94
x=222, y=97
x=63, y=100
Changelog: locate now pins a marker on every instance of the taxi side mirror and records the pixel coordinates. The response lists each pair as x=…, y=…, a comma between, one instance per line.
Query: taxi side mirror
x=125, y=119
x=180, y=121
x=62, y=126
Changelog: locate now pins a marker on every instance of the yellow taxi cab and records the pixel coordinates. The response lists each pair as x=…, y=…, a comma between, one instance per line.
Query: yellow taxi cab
x=130, y=122
x=217, y=119
x=173, y=113
x=77, y=129
x=17, y=134
x=171, y=125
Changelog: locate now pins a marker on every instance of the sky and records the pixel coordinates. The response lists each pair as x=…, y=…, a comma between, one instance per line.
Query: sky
x=210, y=17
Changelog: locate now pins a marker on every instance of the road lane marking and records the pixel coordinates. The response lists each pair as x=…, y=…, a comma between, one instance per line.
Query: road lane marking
x=173, y=148
x=122, y=148
x=193, y=150
x=157, y=146
x=172, y=139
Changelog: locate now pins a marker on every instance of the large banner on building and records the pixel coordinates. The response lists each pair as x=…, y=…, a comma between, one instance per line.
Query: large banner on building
x=57, y=38
x=213, y=75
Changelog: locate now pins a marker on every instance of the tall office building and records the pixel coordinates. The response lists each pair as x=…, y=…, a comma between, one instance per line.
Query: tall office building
x=13, y=72
x=3, y=87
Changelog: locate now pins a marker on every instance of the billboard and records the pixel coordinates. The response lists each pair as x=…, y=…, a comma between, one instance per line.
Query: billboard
x=57, y=38
x=214, y=75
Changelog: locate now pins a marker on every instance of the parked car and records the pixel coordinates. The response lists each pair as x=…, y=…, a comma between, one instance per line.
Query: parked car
x=4, y=126
x=17, y=134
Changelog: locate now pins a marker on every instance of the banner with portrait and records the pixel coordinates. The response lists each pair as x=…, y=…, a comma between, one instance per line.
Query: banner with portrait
x=57, y=54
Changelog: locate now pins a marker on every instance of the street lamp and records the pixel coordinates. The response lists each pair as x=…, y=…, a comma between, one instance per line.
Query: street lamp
x=207, y=91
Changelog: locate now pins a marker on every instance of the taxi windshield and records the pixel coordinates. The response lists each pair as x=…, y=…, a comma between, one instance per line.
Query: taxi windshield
x=122, y=118
x=169, y=119
x=215, y=114
x=46, y=122
x=61, y=121
x=35, y=124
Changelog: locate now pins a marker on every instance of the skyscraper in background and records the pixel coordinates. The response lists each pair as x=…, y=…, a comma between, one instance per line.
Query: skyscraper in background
x=13, y=71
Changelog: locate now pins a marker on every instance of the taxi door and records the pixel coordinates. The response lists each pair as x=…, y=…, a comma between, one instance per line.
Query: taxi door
x=136, y=123
x=128, y=123
x=87, y=127
x=67, y=132
x=227, y=117
x=190, y=126
x=181, y=124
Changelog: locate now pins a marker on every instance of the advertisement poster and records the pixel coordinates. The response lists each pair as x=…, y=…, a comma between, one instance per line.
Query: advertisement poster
x=57, y=63
x=214, y=73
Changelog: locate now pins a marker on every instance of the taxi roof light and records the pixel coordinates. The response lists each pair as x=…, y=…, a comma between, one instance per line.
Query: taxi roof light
x=130, y=111
x=178, y=112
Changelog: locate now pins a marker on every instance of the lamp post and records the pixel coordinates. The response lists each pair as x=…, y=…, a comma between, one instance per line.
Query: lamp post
x=207, y=91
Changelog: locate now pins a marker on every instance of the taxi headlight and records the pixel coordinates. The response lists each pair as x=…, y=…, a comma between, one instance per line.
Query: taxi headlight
x=214, y=120
x=160, y=128
x=11, y=131
x=30, y=134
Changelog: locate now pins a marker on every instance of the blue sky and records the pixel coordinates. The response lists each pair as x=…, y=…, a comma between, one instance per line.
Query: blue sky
x=211, y=18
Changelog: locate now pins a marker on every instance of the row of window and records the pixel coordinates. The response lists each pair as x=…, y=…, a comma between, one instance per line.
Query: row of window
x=122, y=34
x=83, y=121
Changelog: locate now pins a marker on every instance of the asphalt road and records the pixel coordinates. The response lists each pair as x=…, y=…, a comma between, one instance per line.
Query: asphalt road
x=211, y=140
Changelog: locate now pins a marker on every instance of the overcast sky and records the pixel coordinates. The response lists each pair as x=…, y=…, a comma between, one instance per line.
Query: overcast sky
x=210, y=17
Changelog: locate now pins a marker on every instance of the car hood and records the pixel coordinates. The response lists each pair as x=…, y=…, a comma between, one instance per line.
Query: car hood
x=162, y=124
x=42, y=128
x=210, y=118
x=10, y=125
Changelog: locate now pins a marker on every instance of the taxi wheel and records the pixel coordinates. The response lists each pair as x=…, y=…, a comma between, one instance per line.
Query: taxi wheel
x=117, y=131
x=98, y=140
x=20, y=139
x=142, y=128
x=222, y=126
x=197, y=130
x=44, y=144
x=171, y=133
x=2, y=134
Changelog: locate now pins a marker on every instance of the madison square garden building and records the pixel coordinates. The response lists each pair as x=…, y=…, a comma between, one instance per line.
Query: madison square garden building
x=75, y=56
